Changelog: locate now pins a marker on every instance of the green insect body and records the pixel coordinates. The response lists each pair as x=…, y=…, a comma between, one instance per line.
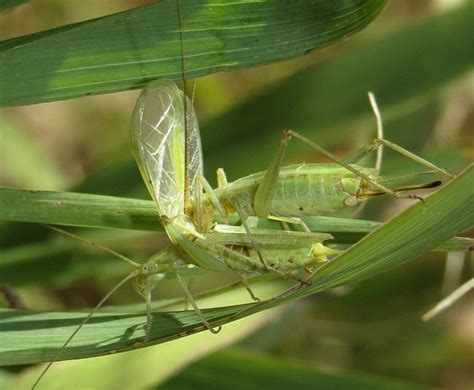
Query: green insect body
x=166, y=145
x=221, y=249
x=160, y=143
x=289, y=252
x=302, y=190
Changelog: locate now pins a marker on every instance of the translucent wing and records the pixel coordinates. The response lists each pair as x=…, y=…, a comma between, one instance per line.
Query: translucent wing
x=159, y=145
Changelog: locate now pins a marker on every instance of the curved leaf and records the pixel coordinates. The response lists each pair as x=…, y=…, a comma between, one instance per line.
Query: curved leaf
x=28, y=336
x=142, y=44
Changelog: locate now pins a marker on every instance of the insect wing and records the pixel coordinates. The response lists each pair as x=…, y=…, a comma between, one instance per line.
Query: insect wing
x=159, y=145
x=193, y=147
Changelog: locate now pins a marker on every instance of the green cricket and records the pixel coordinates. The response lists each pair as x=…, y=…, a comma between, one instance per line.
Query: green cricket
x=161, y=140
x=166, y=144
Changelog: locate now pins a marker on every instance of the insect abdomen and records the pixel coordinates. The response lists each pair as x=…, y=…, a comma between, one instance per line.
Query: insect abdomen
x=307, y=194
x=302, y=189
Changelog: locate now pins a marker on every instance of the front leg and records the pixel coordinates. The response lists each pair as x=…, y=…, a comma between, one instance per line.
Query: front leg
x=267, y=188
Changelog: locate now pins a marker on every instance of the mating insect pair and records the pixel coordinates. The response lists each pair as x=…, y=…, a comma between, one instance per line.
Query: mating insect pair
x=167, y=146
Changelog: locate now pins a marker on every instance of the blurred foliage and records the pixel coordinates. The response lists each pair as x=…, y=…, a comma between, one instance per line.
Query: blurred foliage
x=418, y=60
x=238, y=369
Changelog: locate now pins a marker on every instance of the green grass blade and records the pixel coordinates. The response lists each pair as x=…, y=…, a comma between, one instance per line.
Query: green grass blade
x=28, y=336
x=75, y=209
x=141, y=369
x=87, y=210
x=144, y=43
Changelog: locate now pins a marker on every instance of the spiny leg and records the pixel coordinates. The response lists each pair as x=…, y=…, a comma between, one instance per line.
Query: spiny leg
x=193, y=303
x=143, y=284
x=378, y=161
x=227, y=250
x=380, y=141
x=149, y=318
x=268, y=186
x=413, y=157
x=253, y=243
x=349, y=167
x=186, y=302
x=243, y=278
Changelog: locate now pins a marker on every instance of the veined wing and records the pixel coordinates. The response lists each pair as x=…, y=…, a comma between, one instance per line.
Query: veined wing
x=159, y=145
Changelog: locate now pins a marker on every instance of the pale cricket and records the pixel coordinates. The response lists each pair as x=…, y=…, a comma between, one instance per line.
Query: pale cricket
x=166, y=144
x=160, y=142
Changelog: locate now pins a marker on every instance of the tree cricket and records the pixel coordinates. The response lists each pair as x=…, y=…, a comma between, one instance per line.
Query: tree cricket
x=166, y=144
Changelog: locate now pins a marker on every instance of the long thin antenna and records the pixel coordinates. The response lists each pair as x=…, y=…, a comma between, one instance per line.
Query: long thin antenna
x=84, y=321
x=185, y=105
x=104, y=248
x=378, y=117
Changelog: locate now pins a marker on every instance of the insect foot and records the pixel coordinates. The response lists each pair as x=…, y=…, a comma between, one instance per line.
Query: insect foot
x=286, y=136
x=400, y=195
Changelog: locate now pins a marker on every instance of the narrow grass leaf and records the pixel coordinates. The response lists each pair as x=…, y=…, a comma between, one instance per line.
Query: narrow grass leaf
x=33, y=337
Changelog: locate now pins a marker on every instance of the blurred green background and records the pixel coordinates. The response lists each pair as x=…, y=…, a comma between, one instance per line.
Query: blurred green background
x=415, y=57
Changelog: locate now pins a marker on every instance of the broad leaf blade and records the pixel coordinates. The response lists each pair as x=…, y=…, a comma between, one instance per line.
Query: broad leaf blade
x=144, y=43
